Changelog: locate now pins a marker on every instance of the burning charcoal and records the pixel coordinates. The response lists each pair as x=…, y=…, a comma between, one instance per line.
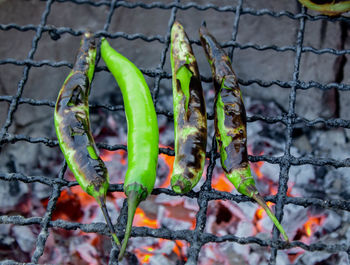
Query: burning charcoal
x=24, y=237
x=191, y=204
x=222, y=253
x=168, y=219
x=160, y=260
x=163, y=198
x=223, y=218
x=148, y=250
x=298, y=215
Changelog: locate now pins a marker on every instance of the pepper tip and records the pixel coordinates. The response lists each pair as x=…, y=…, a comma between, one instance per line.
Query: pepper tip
x=134, y=199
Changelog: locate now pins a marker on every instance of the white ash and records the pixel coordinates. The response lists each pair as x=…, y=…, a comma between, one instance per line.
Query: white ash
x=11, y=194
x=165, y=220
x=244, y=229
x=24, y=237
x=160, y=259
x=247, y=210
x=5, y=237
x=112, y=210
x=166, y=199
x=191, y=204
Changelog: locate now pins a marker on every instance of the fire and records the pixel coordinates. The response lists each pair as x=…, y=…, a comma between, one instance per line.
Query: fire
x=260, y=214
x=145, y=253
x=141, y=219
x=256, y=168
x=311, y=224
x=257, y=165
x=71, y=203
x=221, y=183
x=178, y=248
x=169, y=160
x=108, y=156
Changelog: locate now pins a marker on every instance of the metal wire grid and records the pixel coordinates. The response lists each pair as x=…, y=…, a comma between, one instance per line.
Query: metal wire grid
x=197, y=237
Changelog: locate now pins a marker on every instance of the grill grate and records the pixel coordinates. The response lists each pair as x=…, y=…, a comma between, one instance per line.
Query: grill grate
x=197, y=237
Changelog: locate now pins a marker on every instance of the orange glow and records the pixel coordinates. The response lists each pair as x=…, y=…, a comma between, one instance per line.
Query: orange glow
x=257, y=165
x=221, y=183
x=270, y=204
x=85, y=199
x=141, y=219
x=311, y=224
x=273, y=190
x=259, y=213
x=169, y=160
x=146, y=258
x=107, y=156
x=256, y=168
x=142, y=256
x=289, y=191
x=178, y=248
x=150, y=249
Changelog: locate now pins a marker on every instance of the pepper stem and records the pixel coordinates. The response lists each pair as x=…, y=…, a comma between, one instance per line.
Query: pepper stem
x=260, y=200
x=133, y=202
x=108, y=220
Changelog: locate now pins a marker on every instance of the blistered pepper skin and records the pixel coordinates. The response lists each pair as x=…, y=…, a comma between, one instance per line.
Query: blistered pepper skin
x=73, y=127
x=190, y=117
x=230, y=123
x=143, y=132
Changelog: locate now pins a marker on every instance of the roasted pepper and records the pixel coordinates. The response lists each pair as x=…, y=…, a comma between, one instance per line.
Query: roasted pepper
x=230, y=123
x=73, y=128
x=190, y=117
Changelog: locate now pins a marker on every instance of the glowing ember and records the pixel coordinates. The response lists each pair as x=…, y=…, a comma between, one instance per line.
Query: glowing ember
x=221, y=183
x=71, y=204
x=141, y=219
x=169, y=161
x=256, y=168
x=312, y=223
x=178, y=248
x=257, y=165
x=259, y=213
x=161, y=247
x=108, y=156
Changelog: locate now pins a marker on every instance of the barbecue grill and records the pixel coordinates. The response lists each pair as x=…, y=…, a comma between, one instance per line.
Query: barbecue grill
x=156, y=75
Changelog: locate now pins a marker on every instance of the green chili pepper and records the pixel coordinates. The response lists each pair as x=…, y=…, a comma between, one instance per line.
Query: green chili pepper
x=73, y=128
x=230, y=124
x=190, y=117
x=327, y=7
x=142, y=131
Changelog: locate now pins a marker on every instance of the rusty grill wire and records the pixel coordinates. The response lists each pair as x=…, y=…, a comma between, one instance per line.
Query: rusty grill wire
x=197, y=237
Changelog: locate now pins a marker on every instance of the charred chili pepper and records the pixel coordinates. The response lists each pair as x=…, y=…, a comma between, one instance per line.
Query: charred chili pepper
x=327, y=7
x=73, y=128
x=230, y=124
x=143, y=131
x=190, y=117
